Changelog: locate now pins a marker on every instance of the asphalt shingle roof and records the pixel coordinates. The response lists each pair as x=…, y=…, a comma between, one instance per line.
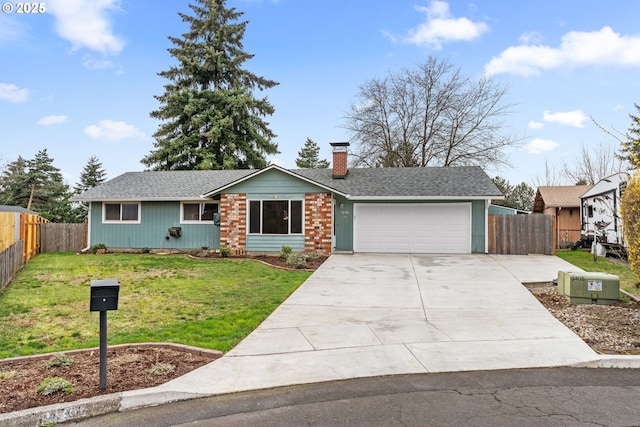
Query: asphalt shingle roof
x=564, y=196
x=16, y=209
x=435, y=182
x=162, y=185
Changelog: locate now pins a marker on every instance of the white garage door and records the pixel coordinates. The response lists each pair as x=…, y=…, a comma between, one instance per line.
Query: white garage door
x=412, y=227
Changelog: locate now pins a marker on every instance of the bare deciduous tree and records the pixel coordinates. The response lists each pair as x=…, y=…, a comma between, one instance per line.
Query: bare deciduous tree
x=591, y=165
x=431, y=116
x=551, y=177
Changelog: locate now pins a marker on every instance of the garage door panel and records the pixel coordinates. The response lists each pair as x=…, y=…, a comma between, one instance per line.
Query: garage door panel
x=412, y=228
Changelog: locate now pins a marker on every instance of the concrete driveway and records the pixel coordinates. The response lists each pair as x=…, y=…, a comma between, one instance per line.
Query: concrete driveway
x=383, y=314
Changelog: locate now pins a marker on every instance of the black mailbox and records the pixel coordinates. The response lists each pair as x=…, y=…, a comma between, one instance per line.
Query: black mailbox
x=104, y=295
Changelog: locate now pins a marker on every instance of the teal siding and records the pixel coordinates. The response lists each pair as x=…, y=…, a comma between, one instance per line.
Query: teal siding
x=155, y=220
x=274, y=243
x=501, y=210
x=266, y=182
x=343, y=216
x=478, y=226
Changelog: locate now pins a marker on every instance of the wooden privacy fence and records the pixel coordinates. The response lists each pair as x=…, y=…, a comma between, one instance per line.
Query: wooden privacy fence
x=521, y=234
x=56, y=237
x=11, y=260
x=30, y=234
x=9, y=223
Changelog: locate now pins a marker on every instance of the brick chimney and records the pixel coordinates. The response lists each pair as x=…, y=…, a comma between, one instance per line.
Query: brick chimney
x=340, y=169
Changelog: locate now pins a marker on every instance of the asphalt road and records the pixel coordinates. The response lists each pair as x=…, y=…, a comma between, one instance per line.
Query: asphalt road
x=529, y=397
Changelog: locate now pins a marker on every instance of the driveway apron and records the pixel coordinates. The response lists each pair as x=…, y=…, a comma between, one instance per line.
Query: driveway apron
x=383, y=314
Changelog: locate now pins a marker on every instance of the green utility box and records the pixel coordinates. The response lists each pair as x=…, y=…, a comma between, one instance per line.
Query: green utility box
x=589, y=288
x=563, y=280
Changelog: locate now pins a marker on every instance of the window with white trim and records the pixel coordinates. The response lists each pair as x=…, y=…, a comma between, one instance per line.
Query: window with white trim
x=121, y=212
x=275, y=217
x=193, y=212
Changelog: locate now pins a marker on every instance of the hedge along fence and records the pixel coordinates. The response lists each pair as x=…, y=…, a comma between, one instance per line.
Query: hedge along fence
x=11, y=260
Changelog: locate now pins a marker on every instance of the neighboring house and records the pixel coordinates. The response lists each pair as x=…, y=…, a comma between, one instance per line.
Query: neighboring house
x=505, y=210
x=16, y=209
x=563, y=202
x=600, y=205
x=411, y=210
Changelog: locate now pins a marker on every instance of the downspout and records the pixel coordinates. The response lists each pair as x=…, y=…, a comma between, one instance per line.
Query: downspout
x=486, y=225
x=88, y=229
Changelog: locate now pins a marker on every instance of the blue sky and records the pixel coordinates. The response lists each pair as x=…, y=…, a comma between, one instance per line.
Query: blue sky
x=80, y=78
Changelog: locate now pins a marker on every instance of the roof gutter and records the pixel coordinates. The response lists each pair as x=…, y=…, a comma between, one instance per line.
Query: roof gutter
x=145, y=199
x=423, y=198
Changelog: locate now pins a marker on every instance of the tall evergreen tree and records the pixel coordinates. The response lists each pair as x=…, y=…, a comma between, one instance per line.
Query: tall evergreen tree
x=14, y=188
x=308, y=156
x=38, y=185
x=92, y=174
x=47, y=186
x=520, y=196
x=210, y=116
x=632, y=146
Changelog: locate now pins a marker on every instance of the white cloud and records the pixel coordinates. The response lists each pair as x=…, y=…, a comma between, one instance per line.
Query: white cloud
x=574, y=118
x=111, y=130
x=97, y=64
x=86, y=24
x=535, y=125
x=531, y=37
x=12, y=93
x=51, y=120
x=92, y=63
x=441, y=27
x=538, y=146
x=577, y=49
x=11, y=29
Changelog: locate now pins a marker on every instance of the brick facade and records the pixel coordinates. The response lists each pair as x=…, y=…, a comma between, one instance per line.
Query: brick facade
x=233, y=224
x=317, y=223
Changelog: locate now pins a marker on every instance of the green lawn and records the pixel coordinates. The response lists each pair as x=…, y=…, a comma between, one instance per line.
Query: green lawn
x=210, y=303
x=584, y=260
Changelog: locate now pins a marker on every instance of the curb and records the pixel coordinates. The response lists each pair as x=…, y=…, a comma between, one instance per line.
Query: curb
x=135, y=399
x=614, y=361
x=68, y=411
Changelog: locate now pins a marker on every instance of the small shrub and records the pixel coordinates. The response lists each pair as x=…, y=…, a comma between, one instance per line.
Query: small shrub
x=54, y=385
x=297, y=260
x=285, y=251
x=58, y=360
x=95, y=248
x=314, y=255
x=225, y=252
x=145, y=250
x=164, y=369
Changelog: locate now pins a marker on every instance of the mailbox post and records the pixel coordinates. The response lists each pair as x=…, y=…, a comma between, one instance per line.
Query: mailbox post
x=104, y=296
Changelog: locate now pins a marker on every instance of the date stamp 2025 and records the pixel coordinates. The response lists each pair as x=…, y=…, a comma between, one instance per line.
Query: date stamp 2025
x=24, y=8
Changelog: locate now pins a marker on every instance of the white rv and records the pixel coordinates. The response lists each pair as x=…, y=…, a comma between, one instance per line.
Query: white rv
x=600, y=213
